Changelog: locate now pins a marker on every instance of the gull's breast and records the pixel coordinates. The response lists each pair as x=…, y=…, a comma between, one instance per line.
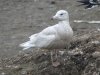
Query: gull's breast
x=61, y=41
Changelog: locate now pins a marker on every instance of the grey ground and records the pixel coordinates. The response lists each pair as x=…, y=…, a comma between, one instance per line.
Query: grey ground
x=21, y=18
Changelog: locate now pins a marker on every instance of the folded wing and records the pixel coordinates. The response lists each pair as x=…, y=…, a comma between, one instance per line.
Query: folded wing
x=40, y=40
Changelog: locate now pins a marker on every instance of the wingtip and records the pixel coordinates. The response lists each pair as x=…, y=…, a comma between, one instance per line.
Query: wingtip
x=24, y=48
x=21, y=45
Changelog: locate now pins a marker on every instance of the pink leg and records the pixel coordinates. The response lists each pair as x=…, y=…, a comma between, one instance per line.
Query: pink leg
x=52, y=57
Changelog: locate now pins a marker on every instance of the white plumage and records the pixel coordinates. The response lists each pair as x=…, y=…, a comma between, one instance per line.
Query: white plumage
x=53, y=37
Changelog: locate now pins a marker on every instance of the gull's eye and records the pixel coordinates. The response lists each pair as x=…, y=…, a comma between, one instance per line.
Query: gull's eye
x=61, y=14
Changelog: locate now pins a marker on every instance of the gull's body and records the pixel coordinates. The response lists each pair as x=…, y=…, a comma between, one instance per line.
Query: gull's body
x=57, y=36
x=53, y=37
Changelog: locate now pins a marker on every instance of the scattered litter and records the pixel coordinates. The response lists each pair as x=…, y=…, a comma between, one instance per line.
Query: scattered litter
x=96, y=42
x=75, y=52
x=96, y=54
x=83, y=21
x=61, y=52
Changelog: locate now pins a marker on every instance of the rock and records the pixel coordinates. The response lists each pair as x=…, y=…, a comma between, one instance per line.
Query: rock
x=3, y=73
x=96, y=54
x=83, y=58
x=52, y=2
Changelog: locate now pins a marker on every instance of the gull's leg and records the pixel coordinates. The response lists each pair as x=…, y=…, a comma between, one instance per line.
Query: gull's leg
x=55, y=63
x=52, y=57
x=68, y=46
x=56, y=54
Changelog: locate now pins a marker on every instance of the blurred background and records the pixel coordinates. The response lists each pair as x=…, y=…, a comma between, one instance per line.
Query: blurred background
x=21, y=18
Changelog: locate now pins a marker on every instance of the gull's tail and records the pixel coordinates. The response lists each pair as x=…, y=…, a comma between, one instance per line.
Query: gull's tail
x=30, y=43
x=26, y=45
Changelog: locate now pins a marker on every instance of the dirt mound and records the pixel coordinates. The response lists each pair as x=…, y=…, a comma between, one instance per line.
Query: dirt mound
x=83, y=58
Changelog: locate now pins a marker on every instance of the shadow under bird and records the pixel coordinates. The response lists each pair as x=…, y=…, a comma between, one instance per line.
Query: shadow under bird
x=53, y=37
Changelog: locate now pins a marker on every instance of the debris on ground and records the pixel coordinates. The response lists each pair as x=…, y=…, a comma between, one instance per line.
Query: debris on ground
x=83, y=58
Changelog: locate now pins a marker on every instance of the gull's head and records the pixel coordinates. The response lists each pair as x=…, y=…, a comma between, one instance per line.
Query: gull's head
x=61, y=15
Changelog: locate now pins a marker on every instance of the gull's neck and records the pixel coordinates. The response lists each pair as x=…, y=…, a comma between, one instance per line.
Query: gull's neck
x=64, y=22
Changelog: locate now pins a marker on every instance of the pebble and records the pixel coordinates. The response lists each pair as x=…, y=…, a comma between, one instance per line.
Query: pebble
x=61, y=52
x=96, y=42
x=96, y=54
x=53, y=2
x=3, y=73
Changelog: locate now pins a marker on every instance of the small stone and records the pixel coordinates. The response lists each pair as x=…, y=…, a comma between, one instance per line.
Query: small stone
x=53, y=2
x=3, y=73
x=23, y=72
x=98, y=29
x=96, y=42
x=75, y=52
x=15, y=67
x=61, y=52
x=8, y=66
x=55, y=64
x=40, y=8
x=26, y=55
x=96, y=54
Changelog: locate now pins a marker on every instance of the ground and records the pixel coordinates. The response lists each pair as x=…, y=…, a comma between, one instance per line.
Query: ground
x=21, y=18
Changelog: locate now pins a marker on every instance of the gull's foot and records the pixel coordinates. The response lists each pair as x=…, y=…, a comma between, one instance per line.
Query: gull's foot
x=56, y=64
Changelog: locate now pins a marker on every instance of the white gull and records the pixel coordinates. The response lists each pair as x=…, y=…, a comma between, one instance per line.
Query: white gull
x=53, y=37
